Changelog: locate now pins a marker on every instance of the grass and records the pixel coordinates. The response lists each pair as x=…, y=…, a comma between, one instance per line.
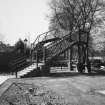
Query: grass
x=73, y=89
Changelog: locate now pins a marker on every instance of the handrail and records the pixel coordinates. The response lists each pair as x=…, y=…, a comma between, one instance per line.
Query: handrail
x=64, y=37
x=19, y=58
x=58, y=49
x=18, y=63
x=37, y=38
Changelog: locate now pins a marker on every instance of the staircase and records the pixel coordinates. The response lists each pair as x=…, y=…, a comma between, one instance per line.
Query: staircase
x=18, y=62
x=29, y=71
x=56, y=47
x=21, y=65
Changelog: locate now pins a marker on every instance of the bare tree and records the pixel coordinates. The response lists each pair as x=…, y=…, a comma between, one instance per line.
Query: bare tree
x=73, y=15
x=76, y=16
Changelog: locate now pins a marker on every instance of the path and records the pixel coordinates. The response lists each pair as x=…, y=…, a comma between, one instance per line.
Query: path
x=81, y=89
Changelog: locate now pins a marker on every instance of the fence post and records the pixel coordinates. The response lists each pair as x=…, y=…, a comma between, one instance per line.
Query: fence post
x=36, y=59
x=70, y=55
x=44, y=55
x=16, y=74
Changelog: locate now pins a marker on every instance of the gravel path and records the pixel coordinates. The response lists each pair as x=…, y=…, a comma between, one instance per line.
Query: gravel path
x=29, y=94
x=72, y=90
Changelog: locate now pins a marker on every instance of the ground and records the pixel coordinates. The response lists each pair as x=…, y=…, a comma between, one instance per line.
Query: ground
x=75, y=89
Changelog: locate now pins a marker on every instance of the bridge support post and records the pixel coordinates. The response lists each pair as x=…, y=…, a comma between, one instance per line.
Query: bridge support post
x=45, y=68
x=16, y=74
x=87, y=54
x=37, y=59
x=70, y=59
x=44, y=55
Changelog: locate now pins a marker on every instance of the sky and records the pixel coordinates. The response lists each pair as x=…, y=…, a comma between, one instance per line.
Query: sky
x=23, y=19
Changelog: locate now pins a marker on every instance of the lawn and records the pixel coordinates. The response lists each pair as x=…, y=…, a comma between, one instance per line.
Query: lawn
x=76, y=89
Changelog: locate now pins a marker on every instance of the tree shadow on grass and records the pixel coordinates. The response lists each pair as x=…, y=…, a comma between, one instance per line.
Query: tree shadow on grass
x=96, y=73
x=64, y=74
x=73, y=74
x=68, y=74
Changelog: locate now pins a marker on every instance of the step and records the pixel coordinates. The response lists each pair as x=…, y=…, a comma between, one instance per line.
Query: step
x=28, y=69
x=25, y=72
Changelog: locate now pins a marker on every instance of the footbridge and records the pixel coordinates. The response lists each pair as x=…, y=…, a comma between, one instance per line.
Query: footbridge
x=51, y=51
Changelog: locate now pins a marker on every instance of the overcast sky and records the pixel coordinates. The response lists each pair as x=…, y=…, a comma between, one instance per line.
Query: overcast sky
x=19, y=18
